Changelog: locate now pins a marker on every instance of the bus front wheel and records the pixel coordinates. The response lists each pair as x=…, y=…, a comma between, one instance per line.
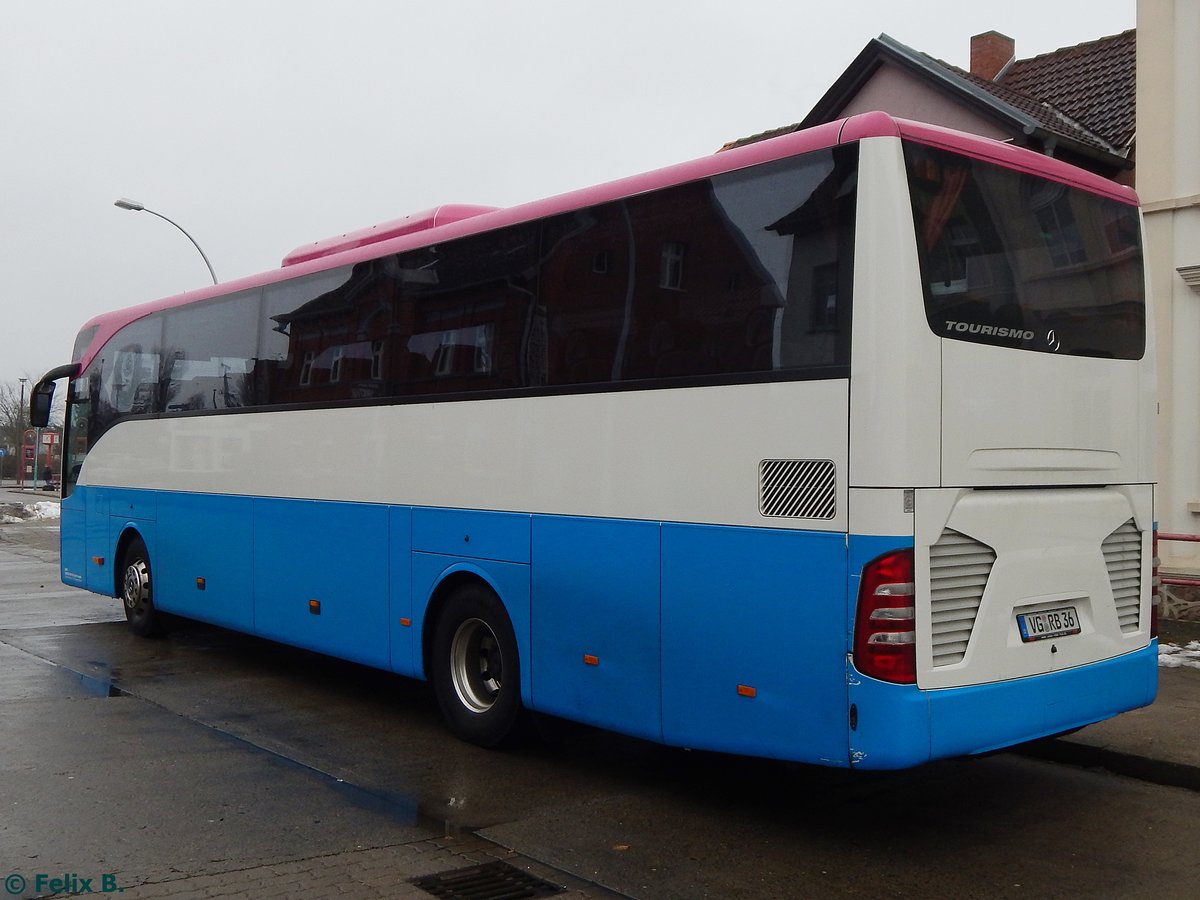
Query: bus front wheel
x=475, y=670
x=137, y=591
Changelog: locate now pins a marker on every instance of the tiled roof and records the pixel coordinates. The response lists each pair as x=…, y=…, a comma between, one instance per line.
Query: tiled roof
x=1093, y=83
x=1051, y=117
x=1083, y=95
x=761, y=136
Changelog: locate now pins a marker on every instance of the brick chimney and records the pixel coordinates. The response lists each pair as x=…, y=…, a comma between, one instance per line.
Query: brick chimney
x=990, y=53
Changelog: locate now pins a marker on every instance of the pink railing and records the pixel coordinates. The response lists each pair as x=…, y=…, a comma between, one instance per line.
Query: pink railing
x=1171, y=579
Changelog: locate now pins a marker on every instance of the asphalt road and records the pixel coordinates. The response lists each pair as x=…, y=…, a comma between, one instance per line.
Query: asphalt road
x=213, y=764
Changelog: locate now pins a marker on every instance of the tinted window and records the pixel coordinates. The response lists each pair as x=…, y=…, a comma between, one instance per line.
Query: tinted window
x=129, y=372
x=306, y=323
x=746, y=275
x=748, y=272
x=209, y=352
x=472, y=320
x=1018, y=261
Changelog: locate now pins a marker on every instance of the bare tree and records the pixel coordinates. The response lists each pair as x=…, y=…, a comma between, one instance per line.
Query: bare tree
x=14, y=419
x=12, y=422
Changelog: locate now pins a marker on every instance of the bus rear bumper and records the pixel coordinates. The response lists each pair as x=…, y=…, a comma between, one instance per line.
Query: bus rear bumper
x=898, y=726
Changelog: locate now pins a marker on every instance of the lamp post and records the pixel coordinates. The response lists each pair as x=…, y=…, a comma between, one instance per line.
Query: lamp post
x=21, y=436
x=124, y=203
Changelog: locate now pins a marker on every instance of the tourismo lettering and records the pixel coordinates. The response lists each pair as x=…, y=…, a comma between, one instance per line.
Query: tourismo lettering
x=989, y=330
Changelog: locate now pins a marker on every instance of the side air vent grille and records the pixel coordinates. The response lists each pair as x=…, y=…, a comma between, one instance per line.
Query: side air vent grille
x=1123, y=557
x=959, y=567
x=797, y=488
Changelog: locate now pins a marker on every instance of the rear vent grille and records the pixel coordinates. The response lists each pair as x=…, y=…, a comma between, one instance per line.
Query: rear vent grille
x=959, y=567
x=1123, y=557
x=798, y=488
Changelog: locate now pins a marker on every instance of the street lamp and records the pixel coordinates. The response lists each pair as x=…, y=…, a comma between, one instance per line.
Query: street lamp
x=123, y=203
x=21, y=436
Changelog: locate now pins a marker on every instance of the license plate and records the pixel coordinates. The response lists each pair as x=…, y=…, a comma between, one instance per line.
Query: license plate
x=1050, y=623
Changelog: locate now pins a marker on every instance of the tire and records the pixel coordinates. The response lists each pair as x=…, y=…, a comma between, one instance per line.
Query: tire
x=137, y=591
x=475, y=668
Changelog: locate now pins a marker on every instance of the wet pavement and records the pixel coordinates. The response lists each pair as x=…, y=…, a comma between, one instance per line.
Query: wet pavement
x=1158, y=743
x=163, y=789
x=212, y=764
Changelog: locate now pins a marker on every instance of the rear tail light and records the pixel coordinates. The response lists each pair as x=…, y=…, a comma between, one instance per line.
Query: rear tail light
x=1155, y=586
x=884, y=626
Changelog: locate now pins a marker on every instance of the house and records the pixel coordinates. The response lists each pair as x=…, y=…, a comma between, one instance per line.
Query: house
x=1076, y=103
x=1168, y=99
x=1086, y=104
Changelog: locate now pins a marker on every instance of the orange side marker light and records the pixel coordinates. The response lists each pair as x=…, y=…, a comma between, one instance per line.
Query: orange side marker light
x=744, y=690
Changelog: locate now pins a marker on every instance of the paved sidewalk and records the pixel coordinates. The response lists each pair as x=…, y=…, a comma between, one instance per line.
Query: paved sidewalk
x=383, y=872
x=107, y=792
x=11, y=493
x=1159, y=743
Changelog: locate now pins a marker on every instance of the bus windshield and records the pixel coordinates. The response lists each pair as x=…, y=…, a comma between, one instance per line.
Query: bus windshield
x=1015, y=260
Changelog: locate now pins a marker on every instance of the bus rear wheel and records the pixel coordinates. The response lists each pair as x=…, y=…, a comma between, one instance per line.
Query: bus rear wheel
x=137, y=591
x=475, y=669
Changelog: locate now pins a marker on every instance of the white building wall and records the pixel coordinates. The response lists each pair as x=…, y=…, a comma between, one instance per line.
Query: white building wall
x=1168, y=182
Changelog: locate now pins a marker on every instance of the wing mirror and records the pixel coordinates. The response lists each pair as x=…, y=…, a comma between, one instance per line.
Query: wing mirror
x=42, y=397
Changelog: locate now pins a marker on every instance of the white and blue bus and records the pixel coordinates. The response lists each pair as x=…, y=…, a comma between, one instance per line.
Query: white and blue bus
x=834, y=448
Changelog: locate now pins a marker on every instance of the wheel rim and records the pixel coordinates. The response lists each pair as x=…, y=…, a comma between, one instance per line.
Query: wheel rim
x=137, y=586
x=476, y=665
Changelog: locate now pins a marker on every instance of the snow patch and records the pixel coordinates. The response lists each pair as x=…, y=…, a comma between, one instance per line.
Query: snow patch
x=46, y=509
x=12, y=513
x=1172, y=656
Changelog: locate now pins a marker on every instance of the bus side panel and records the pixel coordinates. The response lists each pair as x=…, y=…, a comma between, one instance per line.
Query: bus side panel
x=754, y=642
x=203, y=563
x=891, y=723
x=129, y=511
x=401, y=600
x=333, y=555
x=101, y=543
x=73, y=559
x=131, y=505
x=471, y=534
x=596, y=622
x=481, y=542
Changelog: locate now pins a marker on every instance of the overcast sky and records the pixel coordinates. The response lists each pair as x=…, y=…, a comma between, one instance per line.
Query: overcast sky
x=260, y=125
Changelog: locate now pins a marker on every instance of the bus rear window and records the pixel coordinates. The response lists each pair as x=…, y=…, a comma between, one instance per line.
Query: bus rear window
x=1015, y=260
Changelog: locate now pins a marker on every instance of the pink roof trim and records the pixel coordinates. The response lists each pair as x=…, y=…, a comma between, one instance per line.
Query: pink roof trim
x=450, y=222
x=1012, y=157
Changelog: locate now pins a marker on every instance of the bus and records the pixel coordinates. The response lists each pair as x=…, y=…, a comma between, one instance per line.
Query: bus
x=834, y=448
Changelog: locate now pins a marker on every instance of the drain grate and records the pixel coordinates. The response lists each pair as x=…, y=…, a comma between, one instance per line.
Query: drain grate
x=491, y=881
